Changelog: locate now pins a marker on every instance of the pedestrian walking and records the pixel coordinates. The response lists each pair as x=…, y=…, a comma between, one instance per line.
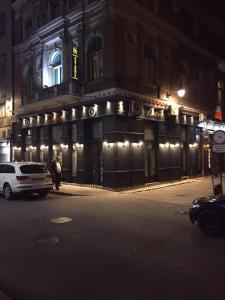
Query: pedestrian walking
x=56, y=170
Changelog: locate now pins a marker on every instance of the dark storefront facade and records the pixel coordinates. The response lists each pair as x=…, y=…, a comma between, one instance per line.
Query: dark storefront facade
x=111, y=144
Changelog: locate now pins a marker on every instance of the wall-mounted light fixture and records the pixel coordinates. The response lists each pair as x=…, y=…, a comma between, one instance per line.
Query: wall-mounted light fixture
x=123, y=144
x=194, y=145
x=139, y=144
x=107, y=144
x=180, y=93
x=80, y=146
x=30, y=148
x=43, y=147
x=169, y=145
x=63, y=146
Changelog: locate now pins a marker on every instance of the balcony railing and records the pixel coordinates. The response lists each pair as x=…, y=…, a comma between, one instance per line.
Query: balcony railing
x=94, y=86
x=65, y=88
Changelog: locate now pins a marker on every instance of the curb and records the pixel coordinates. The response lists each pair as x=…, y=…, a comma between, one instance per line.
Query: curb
x=60, y=193
x=133, y=189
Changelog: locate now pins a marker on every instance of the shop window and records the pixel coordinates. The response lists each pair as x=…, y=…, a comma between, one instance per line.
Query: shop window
x=94, y=58
x=57, y=68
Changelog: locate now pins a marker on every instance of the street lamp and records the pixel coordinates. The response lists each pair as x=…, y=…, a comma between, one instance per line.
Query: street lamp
x=180, y=93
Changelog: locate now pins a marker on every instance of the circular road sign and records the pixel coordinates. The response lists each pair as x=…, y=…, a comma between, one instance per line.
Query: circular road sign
x=219, y=137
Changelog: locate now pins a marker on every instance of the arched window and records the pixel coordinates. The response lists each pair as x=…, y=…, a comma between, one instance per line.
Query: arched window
x=219, y=93
x=57, y=68
x=94, y=58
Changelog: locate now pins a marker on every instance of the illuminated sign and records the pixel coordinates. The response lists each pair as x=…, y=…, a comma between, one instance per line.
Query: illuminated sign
x=211, y=125
x=74, y=61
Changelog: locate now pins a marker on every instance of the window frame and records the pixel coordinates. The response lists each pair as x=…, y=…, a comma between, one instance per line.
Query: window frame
x=94, y=52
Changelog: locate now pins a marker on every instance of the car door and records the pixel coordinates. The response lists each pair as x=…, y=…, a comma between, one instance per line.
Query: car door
x=9, y=175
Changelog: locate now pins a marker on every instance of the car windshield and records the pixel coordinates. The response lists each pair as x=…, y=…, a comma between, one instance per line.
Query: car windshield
x=32, y=169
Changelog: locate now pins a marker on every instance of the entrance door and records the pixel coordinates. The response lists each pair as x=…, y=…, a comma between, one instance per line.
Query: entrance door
x=183, y=160
x=93, y=163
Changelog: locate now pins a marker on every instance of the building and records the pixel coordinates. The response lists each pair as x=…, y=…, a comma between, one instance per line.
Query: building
x=96, y=82
x=5, y=80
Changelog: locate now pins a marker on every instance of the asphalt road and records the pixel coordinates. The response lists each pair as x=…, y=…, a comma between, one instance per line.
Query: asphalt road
x=118, y=246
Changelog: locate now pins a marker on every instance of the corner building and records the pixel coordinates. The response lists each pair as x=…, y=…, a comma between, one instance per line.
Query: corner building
x=96, y=83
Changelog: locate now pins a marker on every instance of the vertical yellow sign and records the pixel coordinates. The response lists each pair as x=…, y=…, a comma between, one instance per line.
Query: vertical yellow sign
x=74, y=61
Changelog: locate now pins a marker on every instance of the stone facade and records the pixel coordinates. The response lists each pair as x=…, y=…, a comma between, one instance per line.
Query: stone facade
x=96, y=83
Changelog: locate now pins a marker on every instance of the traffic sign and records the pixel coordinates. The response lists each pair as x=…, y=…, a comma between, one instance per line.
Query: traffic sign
x=219, y=137
x=219, y=141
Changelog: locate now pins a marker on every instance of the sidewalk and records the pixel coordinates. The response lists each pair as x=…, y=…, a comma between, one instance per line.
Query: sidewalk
x=73, y=189
x=4, y=297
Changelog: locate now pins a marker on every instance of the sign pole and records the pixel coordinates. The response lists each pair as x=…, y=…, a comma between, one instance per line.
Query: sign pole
x=218, y=148
x=221, y=174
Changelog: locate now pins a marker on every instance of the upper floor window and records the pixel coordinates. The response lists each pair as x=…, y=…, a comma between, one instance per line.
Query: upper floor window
x=94, y=58
x=2, y=24
x=57, y=68
x=149, y=64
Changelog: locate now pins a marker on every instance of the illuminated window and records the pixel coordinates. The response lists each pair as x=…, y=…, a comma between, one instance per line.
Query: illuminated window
x=95, y=58
x=57, y=68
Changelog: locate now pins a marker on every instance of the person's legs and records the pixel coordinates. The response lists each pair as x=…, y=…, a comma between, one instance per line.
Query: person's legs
x=57, y=180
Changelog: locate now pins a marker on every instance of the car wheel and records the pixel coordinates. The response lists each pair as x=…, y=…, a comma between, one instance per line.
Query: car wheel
x=210, y=223
x=43, y=193
x=8, y=195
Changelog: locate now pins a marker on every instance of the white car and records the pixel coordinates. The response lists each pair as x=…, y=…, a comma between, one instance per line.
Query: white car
x=30, y=177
